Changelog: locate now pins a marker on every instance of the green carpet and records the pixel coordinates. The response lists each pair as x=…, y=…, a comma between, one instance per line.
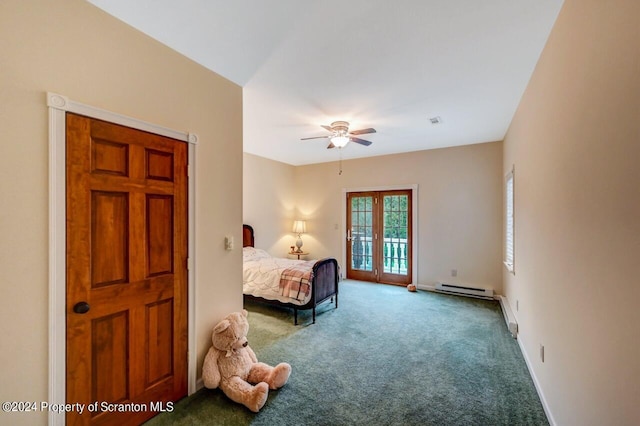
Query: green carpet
x=384, y=357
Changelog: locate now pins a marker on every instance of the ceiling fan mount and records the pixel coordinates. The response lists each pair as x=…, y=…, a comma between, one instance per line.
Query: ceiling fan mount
x=339, y=127
x=340, y=135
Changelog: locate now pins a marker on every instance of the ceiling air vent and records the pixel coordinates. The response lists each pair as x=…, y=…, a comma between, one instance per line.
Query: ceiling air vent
x=435, y=120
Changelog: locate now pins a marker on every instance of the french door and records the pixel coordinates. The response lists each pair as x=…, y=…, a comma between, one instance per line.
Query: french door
x=379, y=236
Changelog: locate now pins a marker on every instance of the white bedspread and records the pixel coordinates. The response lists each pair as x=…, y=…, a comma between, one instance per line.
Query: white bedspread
x=262, y=272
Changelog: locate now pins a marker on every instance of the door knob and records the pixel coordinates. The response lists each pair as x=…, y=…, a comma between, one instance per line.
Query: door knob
x=81, y=308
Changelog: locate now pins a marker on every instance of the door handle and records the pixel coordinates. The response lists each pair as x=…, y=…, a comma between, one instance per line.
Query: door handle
x=348, y=234
x=81, y=308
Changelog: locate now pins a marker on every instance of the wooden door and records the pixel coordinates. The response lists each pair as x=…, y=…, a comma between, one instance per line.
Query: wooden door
x=126, y=305
x=362, y=225
x=394, y=245
x=379, y=236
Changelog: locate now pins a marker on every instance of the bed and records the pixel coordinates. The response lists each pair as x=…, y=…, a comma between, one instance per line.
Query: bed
x=265, y=278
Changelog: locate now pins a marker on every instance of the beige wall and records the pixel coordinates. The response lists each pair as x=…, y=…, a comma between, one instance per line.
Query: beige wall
x=268, y=202
x=575, y=144
x=72, y=48
x=459, y=207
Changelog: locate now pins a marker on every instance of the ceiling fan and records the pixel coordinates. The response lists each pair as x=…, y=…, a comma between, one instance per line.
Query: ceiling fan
x=340, y=135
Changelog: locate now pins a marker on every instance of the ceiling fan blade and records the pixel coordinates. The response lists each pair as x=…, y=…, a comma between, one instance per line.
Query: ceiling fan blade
x=315, y=137
x=362, y=131
x=331, y=145
x=326, y=127
x=360, y=141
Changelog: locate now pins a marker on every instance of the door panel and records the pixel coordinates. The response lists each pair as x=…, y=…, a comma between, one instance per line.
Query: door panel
x=395, y=210
x=379, y=236
x=109, y=363
x=109, y=239
x=126, y=258
x=159, y=234
x=158, y=346
x=361, y=225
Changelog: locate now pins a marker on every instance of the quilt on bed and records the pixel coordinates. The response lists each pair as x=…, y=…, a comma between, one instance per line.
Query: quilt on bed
x=274, y=278
x=295, y=281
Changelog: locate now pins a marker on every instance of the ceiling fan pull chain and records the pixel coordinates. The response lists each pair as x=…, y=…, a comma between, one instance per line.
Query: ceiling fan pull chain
x=340, y=171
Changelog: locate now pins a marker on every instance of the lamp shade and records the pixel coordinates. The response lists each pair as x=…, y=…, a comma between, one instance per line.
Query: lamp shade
x=340, y=141
x=299, y=226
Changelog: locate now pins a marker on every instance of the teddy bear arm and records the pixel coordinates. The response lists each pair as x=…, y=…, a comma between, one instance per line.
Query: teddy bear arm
x=210, y=371
x=252, y=354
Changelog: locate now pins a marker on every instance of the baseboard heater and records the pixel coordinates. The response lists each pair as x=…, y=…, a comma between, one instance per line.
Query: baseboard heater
x=509, y=318
x=465, y=291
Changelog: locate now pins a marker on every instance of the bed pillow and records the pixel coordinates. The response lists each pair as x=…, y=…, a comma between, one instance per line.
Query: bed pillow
x=252, y=253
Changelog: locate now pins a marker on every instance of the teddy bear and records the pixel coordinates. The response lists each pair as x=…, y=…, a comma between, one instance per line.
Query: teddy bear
x=232, y=365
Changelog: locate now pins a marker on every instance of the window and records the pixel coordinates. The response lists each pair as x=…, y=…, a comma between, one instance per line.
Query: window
x=509, y=258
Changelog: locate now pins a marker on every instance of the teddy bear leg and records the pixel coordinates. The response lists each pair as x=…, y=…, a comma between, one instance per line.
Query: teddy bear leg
x=279, y=375
x=276, y=376
x=252, y=397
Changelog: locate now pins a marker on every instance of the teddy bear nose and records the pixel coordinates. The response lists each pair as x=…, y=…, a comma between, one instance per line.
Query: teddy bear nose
x=244, y=345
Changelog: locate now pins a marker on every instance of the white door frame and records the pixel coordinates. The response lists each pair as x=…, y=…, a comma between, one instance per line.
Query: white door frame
x=58, y=107
x=414, y=222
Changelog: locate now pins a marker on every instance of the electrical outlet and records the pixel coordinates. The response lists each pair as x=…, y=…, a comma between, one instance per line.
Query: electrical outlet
x=542, y=353
x=454, y=272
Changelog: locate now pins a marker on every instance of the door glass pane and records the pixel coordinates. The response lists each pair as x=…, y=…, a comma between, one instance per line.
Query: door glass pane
x=361, y=233
x=395, y=230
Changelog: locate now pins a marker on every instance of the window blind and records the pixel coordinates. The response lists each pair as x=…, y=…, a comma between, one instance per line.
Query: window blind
x=509, y=223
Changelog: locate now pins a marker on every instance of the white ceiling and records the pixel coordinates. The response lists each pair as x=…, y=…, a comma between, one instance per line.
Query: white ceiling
x=390, y=65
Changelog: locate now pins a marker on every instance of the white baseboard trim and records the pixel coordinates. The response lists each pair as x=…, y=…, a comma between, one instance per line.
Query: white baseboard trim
x=543, y=400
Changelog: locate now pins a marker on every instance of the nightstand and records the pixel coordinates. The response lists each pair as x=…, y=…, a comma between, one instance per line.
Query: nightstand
x=295, y=253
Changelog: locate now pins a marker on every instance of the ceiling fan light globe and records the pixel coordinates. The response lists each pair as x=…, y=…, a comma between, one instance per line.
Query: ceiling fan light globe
x=340, y=141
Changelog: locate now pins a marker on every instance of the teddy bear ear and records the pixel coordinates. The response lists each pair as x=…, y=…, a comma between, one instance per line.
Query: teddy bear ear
x=245, y=313
x=222, y=326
